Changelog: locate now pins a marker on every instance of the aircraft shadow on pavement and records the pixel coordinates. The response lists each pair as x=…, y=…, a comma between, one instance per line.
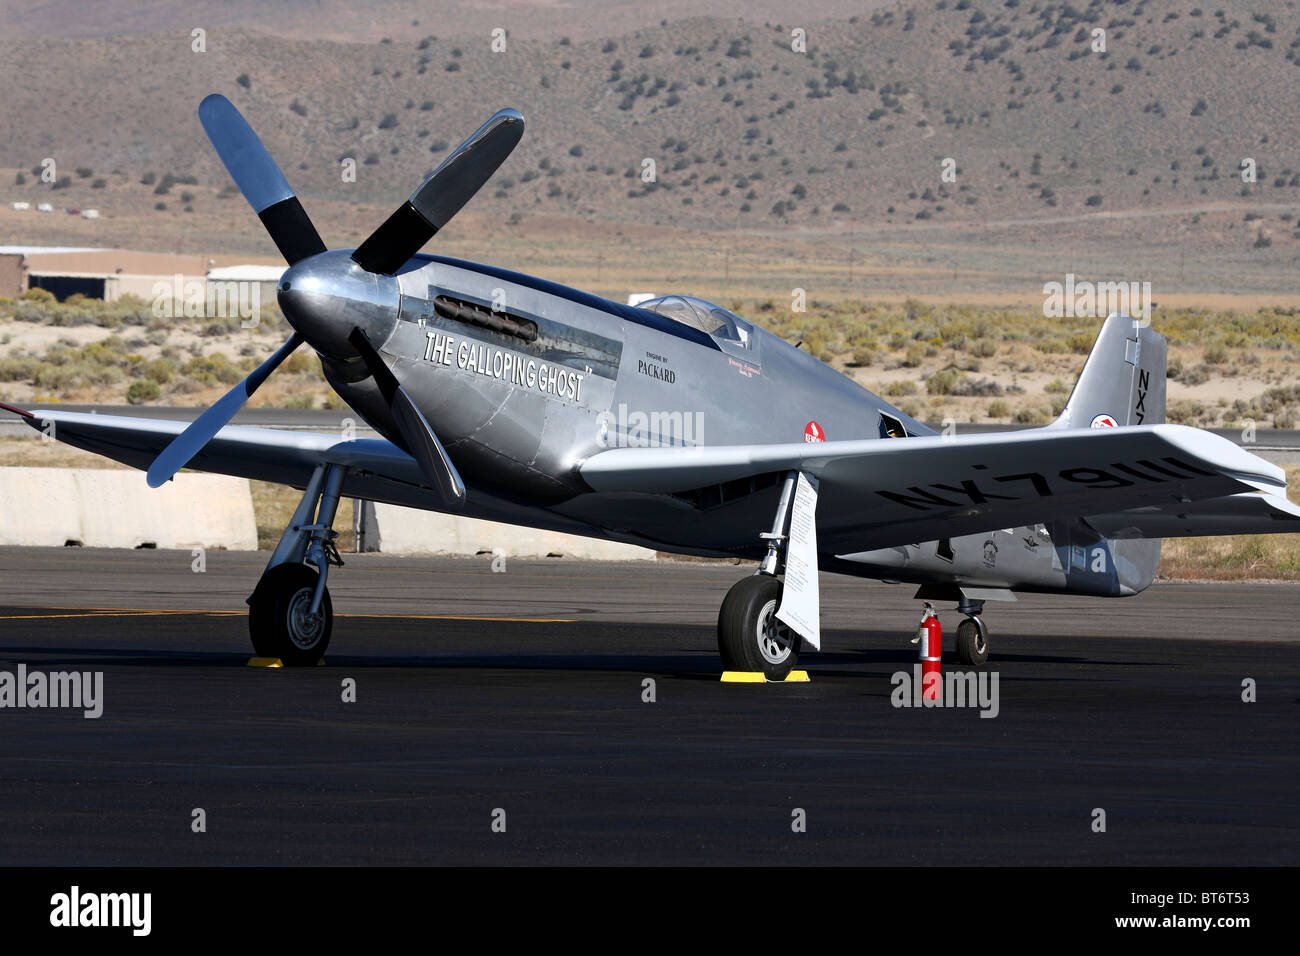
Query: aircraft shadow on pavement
x=702, y=664
x=457, y=644
x=691, y=665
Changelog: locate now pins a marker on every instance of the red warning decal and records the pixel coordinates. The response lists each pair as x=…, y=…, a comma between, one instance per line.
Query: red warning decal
x=813, y=433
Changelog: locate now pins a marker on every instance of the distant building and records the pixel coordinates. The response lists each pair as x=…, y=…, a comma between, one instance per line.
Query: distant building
x=175, y=285
x=266, y=278
x=13, y=275
x=109, y=274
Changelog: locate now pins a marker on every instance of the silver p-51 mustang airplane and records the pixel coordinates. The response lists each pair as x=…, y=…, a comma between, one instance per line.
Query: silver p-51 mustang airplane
x=507, y=397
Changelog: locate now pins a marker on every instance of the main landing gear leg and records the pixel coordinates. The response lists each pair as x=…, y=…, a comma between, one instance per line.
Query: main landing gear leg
x=290, y=615
x=972, y=634
x=750, y=638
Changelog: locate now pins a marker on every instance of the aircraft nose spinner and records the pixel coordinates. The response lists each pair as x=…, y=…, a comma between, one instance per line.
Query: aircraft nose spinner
x=345, y=302
x=326, y=296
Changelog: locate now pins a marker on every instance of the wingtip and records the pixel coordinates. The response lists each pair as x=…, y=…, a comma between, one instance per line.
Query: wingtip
x=211, y=100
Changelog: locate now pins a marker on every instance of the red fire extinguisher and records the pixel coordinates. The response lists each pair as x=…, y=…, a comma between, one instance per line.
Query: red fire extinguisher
x=929, y=640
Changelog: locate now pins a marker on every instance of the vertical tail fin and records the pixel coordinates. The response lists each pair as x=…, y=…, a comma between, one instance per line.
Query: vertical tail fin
x=1123, y=380
x=1122, y=383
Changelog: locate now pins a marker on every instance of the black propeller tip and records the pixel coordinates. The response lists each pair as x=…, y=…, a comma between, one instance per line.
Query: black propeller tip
x=443, y=194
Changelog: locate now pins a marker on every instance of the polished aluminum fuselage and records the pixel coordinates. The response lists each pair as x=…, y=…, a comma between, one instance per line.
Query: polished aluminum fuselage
x=517, y=415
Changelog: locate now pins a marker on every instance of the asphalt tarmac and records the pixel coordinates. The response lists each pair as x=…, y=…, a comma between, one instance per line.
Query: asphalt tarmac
x=522, y=692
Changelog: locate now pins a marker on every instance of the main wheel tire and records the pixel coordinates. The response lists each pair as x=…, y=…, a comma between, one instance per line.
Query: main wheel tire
x=972, y=644
x=277, y=616
x=750, y=638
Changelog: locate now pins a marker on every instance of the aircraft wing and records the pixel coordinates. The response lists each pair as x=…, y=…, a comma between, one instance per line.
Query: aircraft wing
x=266, y=454
x=885, y=492
x=377, y=469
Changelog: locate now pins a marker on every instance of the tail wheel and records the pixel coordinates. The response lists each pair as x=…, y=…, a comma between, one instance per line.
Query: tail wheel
x=279, y=618
x=750, y=638
x=972, y=642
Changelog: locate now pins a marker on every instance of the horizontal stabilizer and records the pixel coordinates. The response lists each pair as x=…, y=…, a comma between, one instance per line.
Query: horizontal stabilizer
x=1246, y=513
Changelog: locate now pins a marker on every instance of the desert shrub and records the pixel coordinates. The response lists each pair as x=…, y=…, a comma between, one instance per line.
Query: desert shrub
x=942, y=382
x=219, y=326
x=110, y=351
x=212, y=369
x=141, y=391
x=298, y=363
x=1081, y=343
x=160, y=370
x=1033, y=416
x=976, y=388
x=35, y=312
x=91, y=373
x=17, y=368
x=49, y=377
x=1185, y=412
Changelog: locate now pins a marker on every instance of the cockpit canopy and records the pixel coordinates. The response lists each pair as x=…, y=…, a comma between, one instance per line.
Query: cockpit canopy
x=702, y=315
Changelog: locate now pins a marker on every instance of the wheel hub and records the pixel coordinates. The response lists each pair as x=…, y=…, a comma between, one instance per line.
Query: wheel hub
x=304, y=627
x=775, y=639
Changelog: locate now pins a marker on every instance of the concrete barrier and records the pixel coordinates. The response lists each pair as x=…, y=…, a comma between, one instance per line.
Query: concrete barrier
x=115, y=508
x=394, y=530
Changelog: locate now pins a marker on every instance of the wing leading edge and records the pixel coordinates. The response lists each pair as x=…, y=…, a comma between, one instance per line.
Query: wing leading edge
x=265, y=454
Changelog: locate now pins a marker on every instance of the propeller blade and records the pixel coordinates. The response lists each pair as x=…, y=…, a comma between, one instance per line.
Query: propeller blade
x=259, y=179
x=426, y=449
x=416, y=431
x=442, y=195
x=191, y=441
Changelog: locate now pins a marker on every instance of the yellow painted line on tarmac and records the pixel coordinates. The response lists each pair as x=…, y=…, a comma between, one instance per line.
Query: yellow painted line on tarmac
x=160, y=612
x=133, y=612
x=455, y=617
x=122, y=613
